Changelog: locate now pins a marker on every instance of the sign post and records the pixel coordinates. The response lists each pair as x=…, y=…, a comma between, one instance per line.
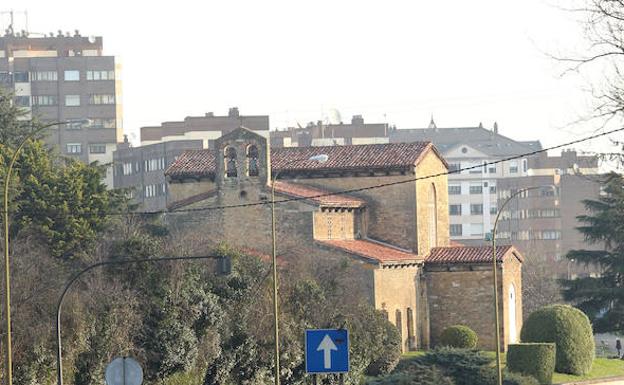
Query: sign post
x=326, y=351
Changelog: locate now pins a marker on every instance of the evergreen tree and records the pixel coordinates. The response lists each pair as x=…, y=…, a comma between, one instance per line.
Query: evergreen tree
x=602, y=298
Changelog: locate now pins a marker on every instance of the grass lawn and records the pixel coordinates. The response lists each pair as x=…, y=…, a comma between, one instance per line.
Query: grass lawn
x=603, y=367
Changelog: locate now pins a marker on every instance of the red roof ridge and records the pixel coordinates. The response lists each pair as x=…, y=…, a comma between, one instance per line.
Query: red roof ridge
x=373, y=250
x=469, y=254
x=318, y=196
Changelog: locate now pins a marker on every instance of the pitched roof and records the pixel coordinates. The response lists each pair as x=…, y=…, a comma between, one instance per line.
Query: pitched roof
x=468, y=254
x=193, y=163
x=365, y=157
x=479, y=138
x=302, y=191
x=352, y=157
x=372, y=250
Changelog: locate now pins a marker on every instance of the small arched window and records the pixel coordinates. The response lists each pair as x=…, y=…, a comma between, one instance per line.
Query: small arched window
x=252, y=160
x=230, y=162
x=399, y=322
x=433, y=216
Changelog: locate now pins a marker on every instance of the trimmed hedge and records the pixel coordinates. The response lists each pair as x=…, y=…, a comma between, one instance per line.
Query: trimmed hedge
x=510, y=378
x=571, y=331
x=415, y=374
x=534, y=359
x=459, y=336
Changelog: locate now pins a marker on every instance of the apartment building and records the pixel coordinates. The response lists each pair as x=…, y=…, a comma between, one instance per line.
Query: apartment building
x=67, y=78
x=542, y=222
x=141, y=169
x=473, y=192
x=340, y=134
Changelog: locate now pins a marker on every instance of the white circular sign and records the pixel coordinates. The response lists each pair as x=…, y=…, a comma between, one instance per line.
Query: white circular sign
x=124, y=371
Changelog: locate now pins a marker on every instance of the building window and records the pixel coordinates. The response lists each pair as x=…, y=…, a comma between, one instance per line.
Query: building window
x=72, y=100
x=455, y=210
x=20, y=77
x=476, y=209
x=5, y=77
x=513, y=167
x=97, y=148
x=492, y=189
x=74, y=124
x=477, y=168
x=44, y=76
x=74, y=148
x=454, y=167
x=492, y=169
x=22, y=101
x=252, y=160
x=102, y=123
x=101, y=75
x=493, y=210
x=101, y=99
x=456, y=230
x=454, y=189
x=476, y=229
x=127, y=168
x=476, y=189
x=72, y=76
x=525, y=165
x=44, y=100
x=230, y=162
x=399, y=323
x=433, y=216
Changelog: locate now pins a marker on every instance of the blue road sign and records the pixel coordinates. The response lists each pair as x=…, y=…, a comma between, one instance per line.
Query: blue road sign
x=327, y=351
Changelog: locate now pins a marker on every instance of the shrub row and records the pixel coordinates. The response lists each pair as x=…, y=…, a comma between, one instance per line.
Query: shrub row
x=534, y=359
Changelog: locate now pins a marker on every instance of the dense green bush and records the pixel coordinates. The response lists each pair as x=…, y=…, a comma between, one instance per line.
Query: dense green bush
x=518, y=379
x=415, y=374
x=389, y=353
x=535, y=359
x=466, y=367
x=459, y=336
x=570, y=330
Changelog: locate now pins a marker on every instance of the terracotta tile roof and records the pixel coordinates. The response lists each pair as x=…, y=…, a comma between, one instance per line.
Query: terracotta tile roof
x=376, y=251
x=193, y=163
x=468, y=254
x=365, y=157
x=353, y=157
x=301, y=191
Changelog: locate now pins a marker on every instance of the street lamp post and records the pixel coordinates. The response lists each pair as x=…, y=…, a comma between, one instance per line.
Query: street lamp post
x=7, y=274
x=322, y=158
x=74, y=278
x=495, y=279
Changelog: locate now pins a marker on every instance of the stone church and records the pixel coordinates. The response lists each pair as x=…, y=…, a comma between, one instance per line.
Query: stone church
x=396, y=234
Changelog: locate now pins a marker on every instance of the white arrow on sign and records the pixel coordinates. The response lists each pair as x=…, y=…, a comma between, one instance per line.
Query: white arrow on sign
x=327, y=345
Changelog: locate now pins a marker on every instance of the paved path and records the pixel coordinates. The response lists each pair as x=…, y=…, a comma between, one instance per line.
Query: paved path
x=611, y=381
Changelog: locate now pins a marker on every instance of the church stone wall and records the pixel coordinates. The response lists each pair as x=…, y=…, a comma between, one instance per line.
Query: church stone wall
x=395, y=294
x=390, y=210
x=462, y=296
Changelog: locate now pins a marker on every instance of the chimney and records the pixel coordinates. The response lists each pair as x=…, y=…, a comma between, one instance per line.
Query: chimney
x=357, y=119
x=233, y=113
x=495, y=128
x=211, y=114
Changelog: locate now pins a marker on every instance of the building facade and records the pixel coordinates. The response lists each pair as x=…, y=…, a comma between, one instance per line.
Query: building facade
x=141, y=169
x=394, y=239
x=542, y=222
x=473, y=191
x=322, y=134
x=67, y=79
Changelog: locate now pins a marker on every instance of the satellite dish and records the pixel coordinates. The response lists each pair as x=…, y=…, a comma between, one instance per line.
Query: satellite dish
x=333, y=116
x=91, y=39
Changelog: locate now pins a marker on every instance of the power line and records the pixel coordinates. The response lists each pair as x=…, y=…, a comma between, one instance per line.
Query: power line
x=376, y=186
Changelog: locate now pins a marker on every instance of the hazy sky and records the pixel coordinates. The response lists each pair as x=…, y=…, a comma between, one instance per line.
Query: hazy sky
x=465, y=62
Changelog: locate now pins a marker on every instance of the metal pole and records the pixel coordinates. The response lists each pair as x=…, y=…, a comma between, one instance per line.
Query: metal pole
x=495, y=282
x=7, y=265
x=59, y=350
x=275, y=300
